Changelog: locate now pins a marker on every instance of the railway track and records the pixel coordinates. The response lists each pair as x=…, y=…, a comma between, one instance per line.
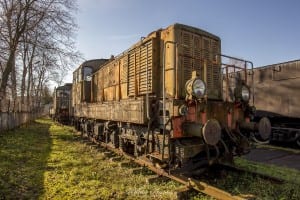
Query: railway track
x=188, y=182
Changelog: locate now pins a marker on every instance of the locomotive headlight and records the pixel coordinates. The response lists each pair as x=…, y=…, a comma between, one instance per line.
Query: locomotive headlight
x=242, y=93
x=195, y=87
x=245, y=93
x=198, y=88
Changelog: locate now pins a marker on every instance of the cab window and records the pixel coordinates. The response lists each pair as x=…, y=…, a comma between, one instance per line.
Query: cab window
x=87, y=73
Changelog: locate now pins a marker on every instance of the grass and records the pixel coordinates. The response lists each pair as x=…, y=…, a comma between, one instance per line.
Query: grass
x=286, y=174
x=81, y=171
x=23, y=159
x=47, y=161
x=277, y=147
x=258, y=188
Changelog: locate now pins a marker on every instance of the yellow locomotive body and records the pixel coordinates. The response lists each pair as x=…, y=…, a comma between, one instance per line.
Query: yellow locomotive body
x=164, y=98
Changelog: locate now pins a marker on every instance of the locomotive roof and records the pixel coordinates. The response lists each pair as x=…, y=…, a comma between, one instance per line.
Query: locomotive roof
x=193, y=29
x=173, y=26
x=67, y=86
x=154, y=34
x=282, y=63
x=94, y=64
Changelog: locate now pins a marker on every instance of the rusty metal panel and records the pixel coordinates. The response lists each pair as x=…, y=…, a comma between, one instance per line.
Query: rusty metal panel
x=98, y=82
x=131, y=110
x=277, y=89
x=109, y=85
x=285, y=71
x=194, y=50
x=81, y=110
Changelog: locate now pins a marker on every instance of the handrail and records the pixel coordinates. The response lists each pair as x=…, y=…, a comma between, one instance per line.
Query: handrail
x=164, y=95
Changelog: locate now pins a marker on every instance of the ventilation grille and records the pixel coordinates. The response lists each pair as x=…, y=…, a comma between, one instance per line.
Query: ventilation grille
x=197, y=50
x=124, y=75
x=139, y=60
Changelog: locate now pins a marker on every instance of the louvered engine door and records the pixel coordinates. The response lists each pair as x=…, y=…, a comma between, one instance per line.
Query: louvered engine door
x=199, y=52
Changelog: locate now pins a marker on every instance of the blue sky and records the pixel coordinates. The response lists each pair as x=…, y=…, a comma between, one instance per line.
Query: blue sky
x=262, y=31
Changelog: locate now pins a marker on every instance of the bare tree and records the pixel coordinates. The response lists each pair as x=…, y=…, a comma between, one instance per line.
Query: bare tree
x=36, y=39
x=14, y=22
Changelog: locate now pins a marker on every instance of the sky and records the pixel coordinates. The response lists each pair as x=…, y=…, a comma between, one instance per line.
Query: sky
x=262, y=31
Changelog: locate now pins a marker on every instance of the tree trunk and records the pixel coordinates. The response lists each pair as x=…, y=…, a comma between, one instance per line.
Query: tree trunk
x=29, y=83
x=7, y=71
x=14, y=87
x=23, y=83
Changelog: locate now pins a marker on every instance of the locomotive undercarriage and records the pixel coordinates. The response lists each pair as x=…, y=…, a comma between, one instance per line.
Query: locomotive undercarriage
x=176, y=153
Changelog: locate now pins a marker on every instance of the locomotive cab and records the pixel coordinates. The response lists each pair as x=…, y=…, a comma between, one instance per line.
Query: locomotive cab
x=82, y=88
x=82, y=78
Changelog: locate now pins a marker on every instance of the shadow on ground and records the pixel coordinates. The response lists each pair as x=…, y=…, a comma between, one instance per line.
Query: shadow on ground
x=23, y=160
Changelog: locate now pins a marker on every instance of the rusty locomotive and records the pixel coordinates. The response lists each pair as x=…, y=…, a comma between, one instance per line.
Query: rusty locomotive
x=164, y=99
x=276, y=90
x=61, y=110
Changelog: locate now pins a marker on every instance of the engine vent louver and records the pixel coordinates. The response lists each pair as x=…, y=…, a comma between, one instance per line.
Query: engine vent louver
x=140, y=60
x=196, y=51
